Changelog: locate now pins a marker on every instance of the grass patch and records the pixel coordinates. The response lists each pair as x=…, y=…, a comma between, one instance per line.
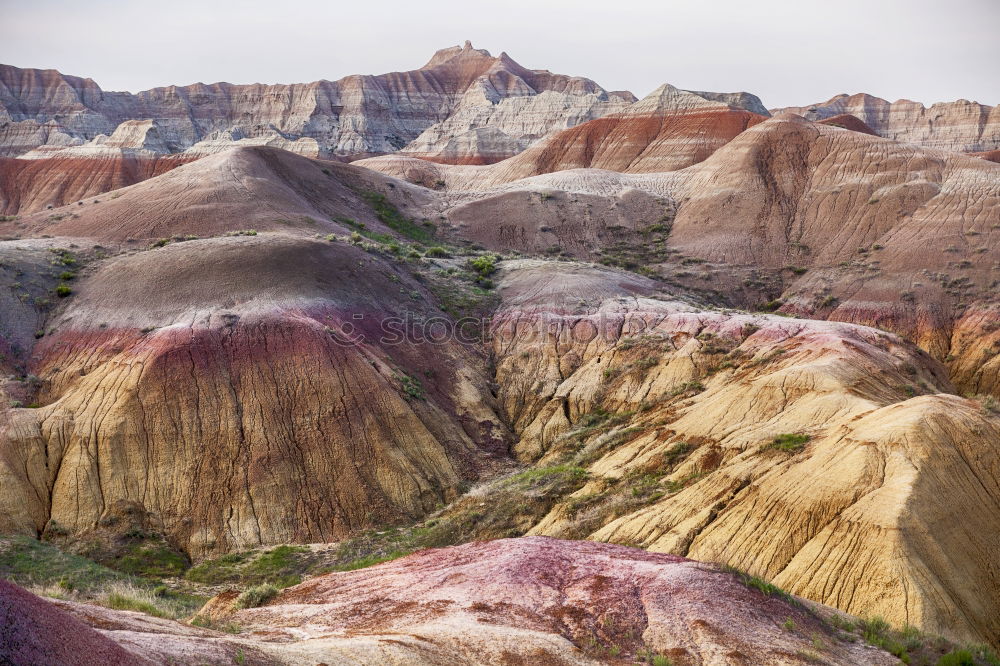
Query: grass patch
x=789, y=442
x=48, y=571
x=27, y=561
x=390, y=216
x=757, y=583
x=281, y=566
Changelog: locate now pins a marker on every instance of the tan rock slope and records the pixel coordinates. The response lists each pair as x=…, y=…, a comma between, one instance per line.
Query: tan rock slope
x=884, y=499
x=210, y=384
x=532, y=600
x=961, y=125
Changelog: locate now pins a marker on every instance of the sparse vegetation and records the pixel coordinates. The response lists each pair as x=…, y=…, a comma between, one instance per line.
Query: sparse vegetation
x=485, y=265
x=757, y=583
x=280, y=566
x=789, y=442
x=411, y=387
x=49, y=571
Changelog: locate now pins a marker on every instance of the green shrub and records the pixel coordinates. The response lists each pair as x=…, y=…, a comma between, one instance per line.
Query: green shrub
x=485, y=265
x=255, y=596
x=438, y=252
x=411, y=387
x=759, y=584
x=152, y=559
x=63, y=290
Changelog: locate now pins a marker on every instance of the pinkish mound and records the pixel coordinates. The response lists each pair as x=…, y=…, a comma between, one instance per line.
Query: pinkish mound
x=34, y=631
x=552, y=601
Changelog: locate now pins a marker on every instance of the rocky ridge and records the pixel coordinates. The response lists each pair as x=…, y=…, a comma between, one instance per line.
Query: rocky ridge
x=356, y=115
x=960, y=126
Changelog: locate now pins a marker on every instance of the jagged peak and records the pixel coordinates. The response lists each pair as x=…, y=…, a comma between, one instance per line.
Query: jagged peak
x=466, y=51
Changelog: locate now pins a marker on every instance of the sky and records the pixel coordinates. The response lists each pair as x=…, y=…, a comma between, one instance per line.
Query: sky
x=786, y=52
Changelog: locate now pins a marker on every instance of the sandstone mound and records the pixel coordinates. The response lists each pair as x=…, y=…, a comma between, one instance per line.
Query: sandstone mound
x=243, y=188
x=801, y=215
x=633, y=143
x=990, y=155
x=828, y=457
x=915, y=244
x=261, y=402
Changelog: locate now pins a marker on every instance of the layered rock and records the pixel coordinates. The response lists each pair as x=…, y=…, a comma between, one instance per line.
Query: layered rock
x=356, y=115
x=483, y=131
x=510, y=601
x=855, y=510
x=667, y=130
x=916, y=241
x=818, y=220
x=27, y=186
x=961, y=125
x=258, y=404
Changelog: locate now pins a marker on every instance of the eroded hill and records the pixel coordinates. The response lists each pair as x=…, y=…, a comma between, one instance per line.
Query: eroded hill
x=207, y=349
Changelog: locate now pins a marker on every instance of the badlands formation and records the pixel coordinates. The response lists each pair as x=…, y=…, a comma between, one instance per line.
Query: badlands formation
x=675, y=380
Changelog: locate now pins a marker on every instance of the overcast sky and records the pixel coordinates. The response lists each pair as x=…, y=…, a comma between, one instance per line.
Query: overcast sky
x=787, y=52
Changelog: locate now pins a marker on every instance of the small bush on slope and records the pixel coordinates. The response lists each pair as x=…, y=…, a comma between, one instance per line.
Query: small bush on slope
x=255, y=596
